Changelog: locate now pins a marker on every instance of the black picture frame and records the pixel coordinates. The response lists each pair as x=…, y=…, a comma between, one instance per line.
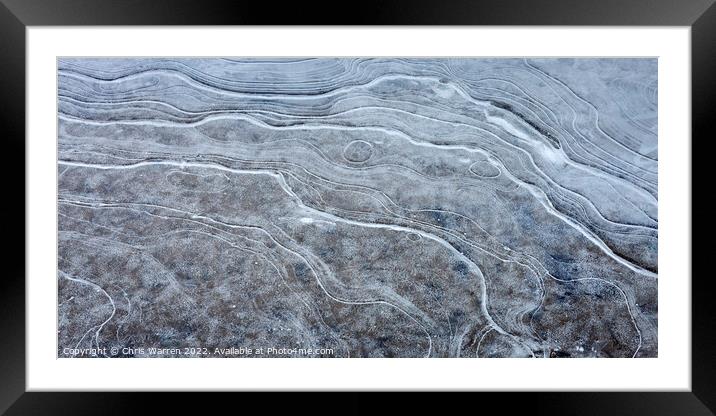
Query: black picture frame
x=16, y=15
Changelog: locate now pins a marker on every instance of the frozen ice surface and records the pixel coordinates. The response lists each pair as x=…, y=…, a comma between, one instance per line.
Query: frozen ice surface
x=358, y=207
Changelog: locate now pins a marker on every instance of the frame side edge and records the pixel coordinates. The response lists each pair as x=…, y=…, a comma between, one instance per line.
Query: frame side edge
x=703, y=101
x=12, y=286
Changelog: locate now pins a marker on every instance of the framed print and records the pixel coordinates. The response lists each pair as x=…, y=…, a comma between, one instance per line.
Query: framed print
x=484, y=198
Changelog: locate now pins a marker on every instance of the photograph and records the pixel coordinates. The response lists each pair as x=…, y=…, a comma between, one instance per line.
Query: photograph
x=357, y=207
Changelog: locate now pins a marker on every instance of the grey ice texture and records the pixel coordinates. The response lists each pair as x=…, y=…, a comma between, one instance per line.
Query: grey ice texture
x=377, y=207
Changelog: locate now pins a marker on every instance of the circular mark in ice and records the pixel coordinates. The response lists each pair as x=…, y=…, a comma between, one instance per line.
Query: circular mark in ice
x=414, y=236
x=358, y=151
x=484, y=169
